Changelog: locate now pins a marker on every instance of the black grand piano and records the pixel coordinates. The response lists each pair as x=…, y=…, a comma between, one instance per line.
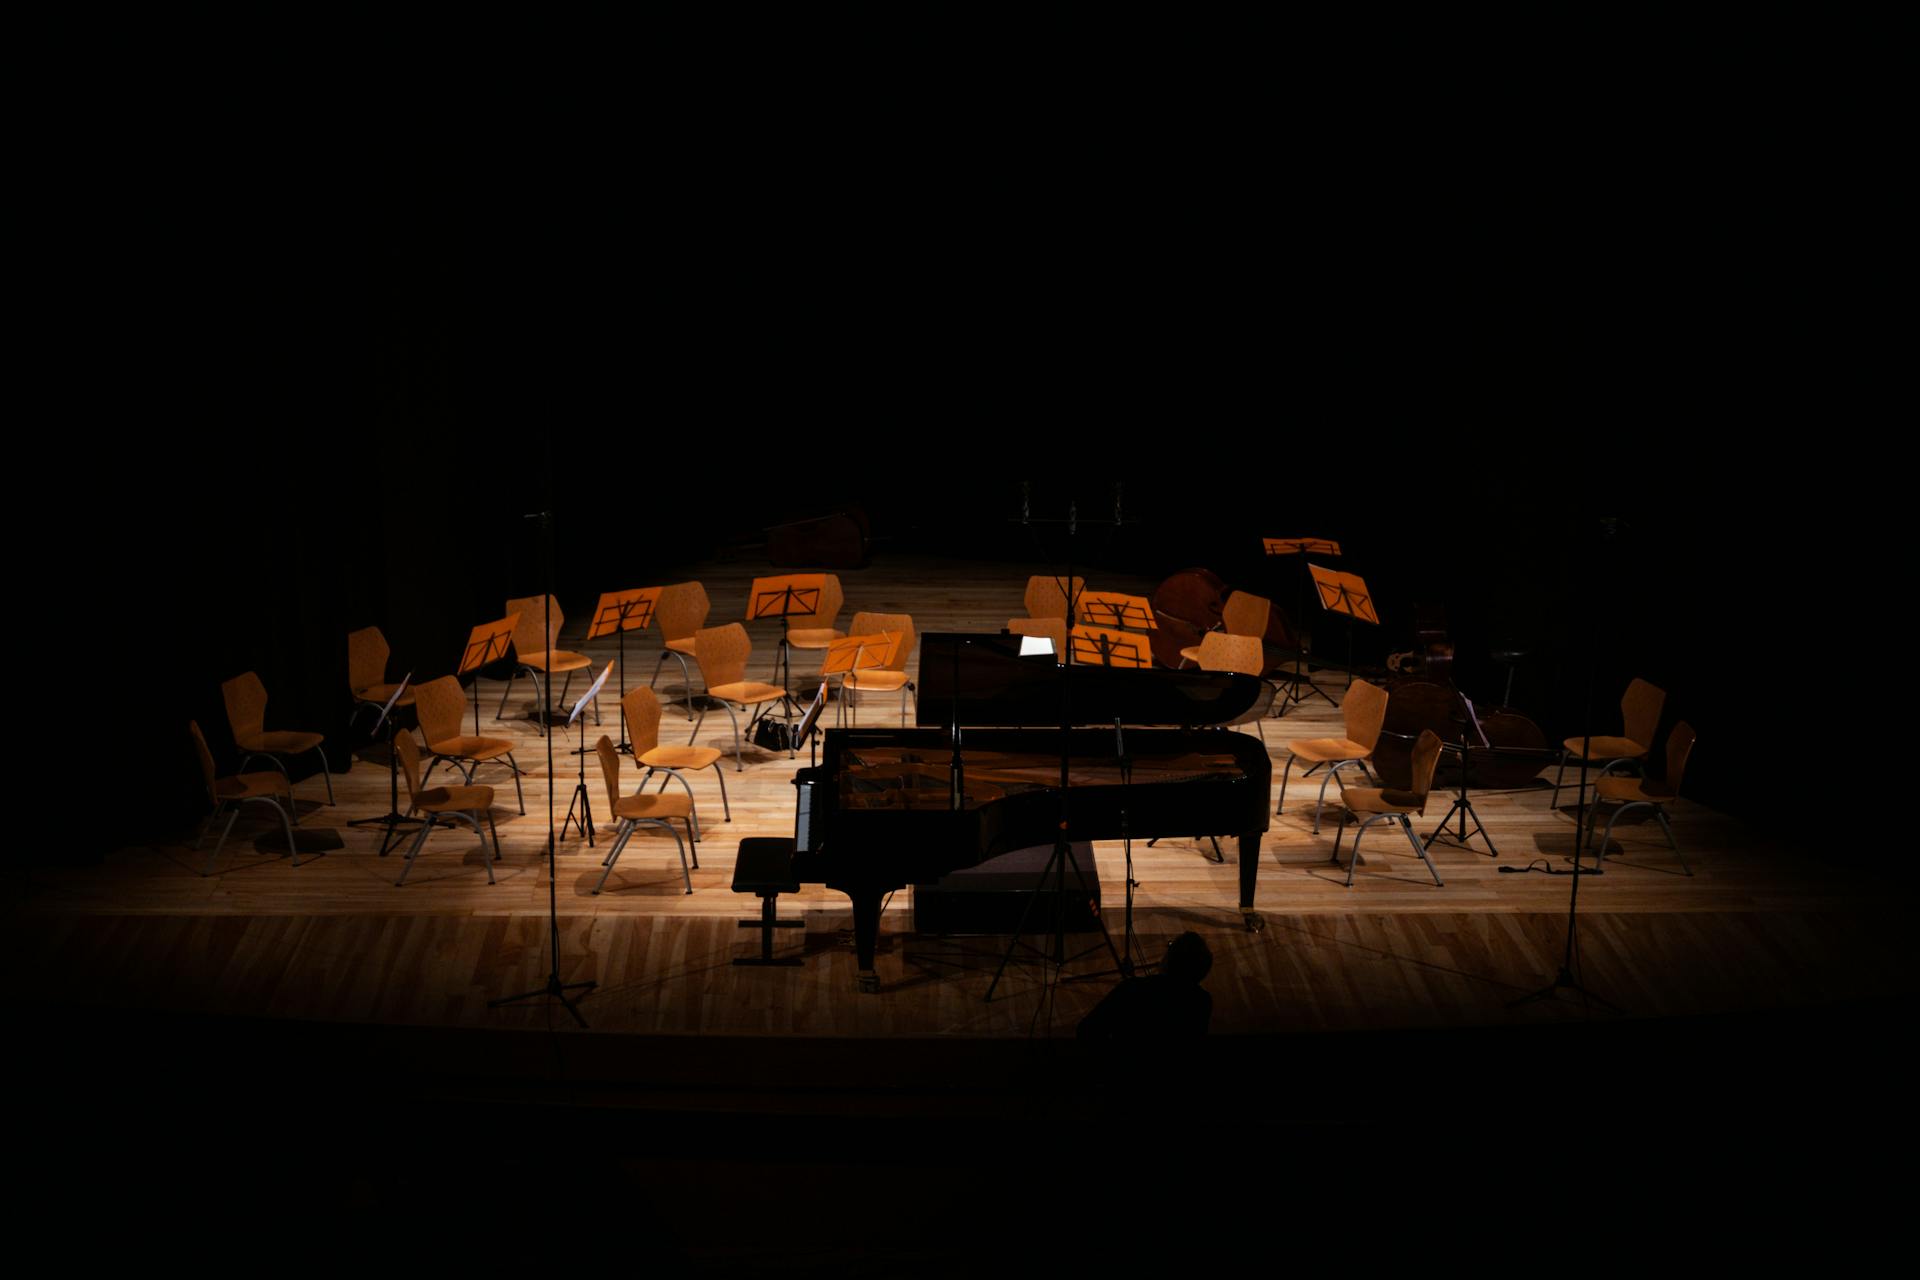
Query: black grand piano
x=880, y=811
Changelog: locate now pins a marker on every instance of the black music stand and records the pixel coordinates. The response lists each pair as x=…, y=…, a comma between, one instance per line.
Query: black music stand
x=1116, y=611
x=580, y=800
x=1302, y=677
x=392, y=819
x=1471, y=735
x=1344, y=593
x=554, y=987
x=619, y=612
x=782, y=598
x=486, y=643
x=1062, y=856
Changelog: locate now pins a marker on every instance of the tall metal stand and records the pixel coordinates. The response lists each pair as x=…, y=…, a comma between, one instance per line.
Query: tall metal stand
x=1055, y=957
x=1569, y=976
x=393, y=820
x=554, y=988
x=1462, y=804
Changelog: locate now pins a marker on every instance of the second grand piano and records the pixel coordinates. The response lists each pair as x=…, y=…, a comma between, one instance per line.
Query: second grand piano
x=881, y=810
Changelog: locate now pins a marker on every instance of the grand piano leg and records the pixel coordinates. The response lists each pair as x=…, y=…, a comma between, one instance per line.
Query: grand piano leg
x=866, y=935
x=1249, y=877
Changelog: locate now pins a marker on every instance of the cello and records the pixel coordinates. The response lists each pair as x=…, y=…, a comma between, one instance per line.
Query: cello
x=1191, y=603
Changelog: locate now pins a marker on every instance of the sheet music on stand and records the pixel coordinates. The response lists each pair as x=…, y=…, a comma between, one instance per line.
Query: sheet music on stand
x=590, y=694
x=860, y=653
x=394, y=697
x=785, y=595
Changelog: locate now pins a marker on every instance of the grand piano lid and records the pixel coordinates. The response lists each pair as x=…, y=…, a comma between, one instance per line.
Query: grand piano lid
x=985, y=682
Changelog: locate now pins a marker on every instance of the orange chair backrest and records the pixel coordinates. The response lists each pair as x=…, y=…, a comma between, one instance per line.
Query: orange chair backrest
x=439, y=705
x=206, y=756
x=367, y=655
x=722, y=653
x=610, y=769
x=1426, y=758
x=532, y=633
x=1363, y=712
x=642, y=709
x=1679, y=749
x=246, y=700
x=1246, y=615
x=409, y=753
x=681, y=610
x=1640, y=711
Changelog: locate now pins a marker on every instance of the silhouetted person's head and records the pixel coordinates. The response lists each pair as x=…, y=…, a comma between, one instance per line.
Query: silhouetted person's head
x=1188, y=959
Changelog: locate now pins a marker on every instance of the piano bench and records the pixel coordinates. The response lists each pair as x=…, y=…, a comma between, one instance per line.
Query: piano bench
x=764, y=866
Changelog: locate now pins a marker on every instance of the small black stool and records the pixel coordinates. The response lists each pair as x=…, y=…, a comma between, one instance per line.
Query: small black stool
x=764, y=866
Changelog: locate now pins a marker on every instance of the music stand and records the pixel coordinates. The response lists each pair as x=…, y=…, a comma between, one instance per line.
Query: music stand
x=393, y=818
x=1471, y=736
x=1302, y=547
x=1105, y=647
x=618, y=613
x=1117, y=611
x=1344, y=593
x=859, y=653
x=487, y=643
x=580, y=788
x=782, y=597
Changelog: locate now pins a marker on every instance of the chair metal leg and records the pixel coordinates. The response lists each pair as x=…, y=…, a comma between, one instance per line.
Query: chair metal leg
x=286, y=820
x=325, y=772
x=429, y=773
x=619, y=843
x=1355, y=860
x=1558, y=777
x=221, y=842
x=539, y=700
x=519, y=796
x=1284, y=775
x=485, y=852
x=1420, y=849
x=511, y=677
x=1673, y=844
x=496, y=834
x=684, y=873
x=413, y=849
x=725, y=808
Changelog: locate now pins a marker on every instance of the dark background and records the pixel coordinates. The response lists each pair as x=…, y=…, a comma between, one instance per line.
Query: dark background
x=322, y=382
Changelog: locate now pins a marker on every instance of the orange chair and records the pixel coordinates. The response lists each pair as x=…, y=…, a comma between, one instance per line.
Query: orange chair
x=246, y=700
x=534, y=639
x=1642, y=793
x=721, y=654
x=642, y=707
x=440, y=706
x=457, y=804
x=816, y=630
x=367, y=655
x=885, y=679
x=680, y=612
x=641, y=810
x=1640, y=718
x=1384, y=804
x=1363, y=711
x=243, y=788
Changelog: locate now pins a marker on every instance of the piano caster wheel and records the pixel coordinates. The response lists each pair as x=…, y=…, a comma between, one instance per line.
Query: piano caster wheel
x=1254, y=921
x=869, y=983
